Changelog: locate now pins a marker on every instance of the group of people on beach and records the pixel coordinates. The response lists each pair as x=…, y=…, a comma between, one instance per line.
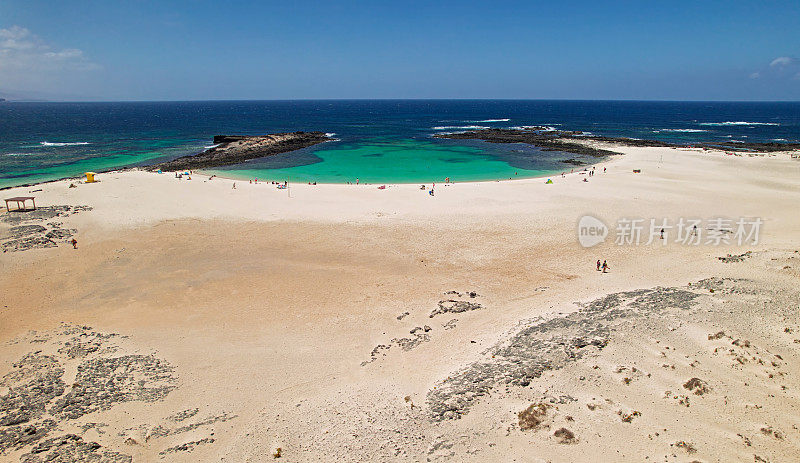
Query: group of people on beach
x=590, y=172
x=604, y=266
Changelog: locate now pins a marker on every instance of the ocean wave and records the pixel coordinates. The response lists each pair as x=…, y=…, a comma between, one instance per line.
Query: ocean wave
x=738, y=123
x=47, y=143
x=491, y=120
x=330, y=134
x=547, y=128
x=211, y=146
x=20, y=154
x=680, y=130
x=779, y=139
x=465, y=127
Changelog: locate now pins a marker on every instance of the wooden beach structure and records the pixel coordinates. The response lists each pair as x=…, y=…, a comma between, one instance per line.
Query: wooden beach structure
x=21, y=200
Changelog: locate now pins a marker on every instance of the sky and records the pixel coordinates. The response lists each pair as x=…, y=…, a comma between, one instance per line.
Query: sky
x=203, y=50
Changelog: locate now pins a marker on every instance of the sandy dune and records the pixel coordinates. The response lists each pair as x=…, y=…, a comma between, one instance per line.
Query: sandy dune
x=197, y=322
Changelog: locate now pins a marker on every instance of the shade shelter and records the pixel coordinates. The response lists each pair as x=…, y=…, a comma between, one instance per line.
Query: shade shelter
x=20, y=200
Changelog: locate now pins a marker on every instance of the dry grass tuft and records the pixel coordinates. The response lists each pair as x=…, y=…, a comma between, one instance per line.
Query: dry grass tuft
x=533, y=416
x=565, y=436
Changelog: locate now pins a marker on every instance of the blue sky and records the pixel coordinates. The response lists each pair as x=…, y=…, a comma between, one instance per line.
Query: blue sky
x=181, y=50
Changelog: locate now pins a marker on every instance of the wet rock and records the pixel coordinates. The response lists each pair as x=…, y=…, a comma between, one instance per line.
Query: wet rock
x=235, y=149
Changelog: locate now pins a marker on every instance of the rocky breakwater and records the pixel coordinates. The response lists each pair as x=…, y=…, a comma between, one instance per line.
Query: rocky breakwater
x=235, y=149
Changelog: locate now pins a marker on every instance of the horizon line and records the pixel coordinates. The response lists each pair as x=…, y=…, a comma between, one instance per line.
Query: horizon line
x=222, y=100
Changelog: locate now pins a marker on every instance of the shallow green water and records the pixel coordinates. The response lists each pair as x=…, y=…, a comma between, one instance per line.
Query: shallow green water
x=398, y=161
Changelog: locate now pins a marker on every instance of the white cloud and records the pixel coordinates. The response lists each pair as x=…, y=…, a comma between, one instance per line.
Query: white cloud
x=782, y=61
x=23, y=54
x=779, y=69
x=68, y=53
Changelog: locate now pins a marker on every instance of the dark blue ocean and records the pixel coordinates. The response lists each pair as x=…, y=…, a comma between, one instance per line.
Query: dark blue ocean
x=386, y=139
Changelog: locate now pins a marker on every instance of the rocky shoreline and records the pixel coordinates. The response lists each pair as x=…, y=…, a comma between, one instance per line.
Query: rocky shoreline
x=571, y=142
x=235, y=149
x=547, y=140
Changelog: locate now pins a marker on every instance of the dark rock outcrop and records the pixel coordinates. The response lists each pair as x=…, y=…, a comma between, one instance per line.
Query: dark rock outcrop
x=570, y=142
x=235, y=149
x=552, y=140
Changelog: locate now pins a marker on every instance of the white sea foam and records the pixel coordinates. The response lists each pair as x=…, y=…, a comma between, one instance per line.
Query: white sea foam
x=211, y=146
x=779, y=139
x=465, y=127
x=738, y=123
x=680, y=130
x=330, y=134
x=546, y=128
x=47, y=143
x=491, y=120
x=19, y=154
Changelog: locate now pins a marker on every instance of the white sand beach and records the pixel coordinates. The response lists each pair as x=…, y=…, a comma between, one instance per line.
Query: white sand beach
x=198, y=322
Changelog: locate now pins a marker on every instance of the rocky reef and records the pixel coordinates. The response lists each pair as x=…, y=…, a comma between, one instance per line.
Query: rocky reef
x=571, y=142
x=547, y=140
x=235, y=149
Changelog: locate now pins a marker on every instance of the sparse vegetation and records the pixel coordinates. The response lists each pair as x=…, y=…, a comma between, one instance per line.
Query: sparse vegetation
x=533, y=416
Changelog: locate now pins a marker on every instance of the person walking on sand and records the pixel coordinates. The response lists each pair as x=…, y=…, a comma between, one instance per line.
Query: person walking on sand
x=234, y=186
x=598, y=265
x=662, y=233
x=605, y=267
x=74, y=243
